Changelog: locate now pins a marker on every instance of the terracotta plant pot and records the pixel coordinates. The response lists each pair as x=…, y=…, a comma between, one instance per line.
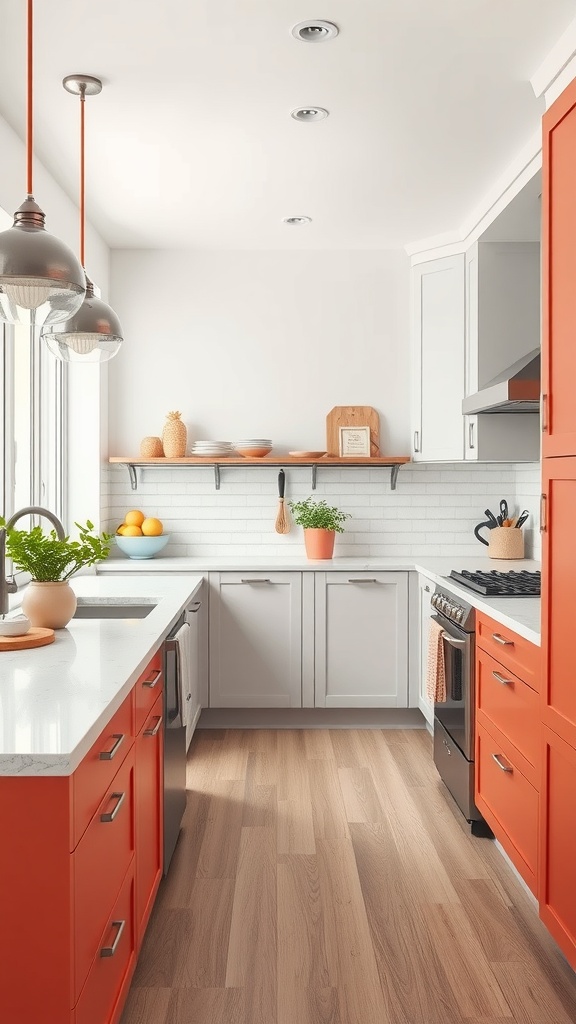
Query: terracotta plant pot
x=50, y=605
x=319, y=543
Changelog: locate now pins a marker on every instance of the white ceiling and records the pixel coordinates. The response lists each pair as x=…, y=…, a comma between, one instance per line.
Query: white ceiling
x=191, y=142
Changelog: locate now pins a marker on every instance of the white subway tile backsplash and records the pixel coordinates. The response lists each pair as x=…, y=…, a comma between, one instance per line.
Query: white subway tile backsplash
x=434, y=509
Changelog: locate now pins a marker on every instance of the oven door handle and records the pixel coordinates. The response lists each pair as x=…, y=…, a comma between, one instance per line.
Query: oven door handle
x=453, y=642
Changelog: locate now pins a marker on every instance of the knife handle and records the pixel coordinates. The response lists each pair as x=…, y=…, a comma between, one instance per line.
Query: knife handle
x=281, y=483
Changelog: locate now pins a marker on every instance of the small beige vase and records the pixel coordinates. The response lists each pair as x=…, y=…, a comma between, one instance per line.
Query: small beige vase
x=50, y=605
x=174, y=436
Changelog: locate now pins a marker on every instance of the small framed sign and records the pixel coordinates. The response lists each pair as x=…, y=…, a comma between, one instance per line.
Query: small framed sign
x=354, y=442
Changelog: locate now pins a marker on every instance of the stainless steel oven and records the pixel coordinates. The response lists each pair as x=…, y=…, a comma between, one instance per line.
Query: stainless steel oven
x=454, y=717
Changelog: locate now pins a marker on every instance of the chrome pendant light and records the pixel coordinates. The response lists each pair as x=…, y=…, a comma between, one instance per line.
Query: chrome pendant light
x=41, y=281
x=93, y=334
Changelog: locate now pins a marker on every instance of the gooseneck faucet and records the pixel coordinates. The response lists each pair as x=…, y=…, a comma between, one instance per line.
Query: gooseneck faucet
x=9, y=587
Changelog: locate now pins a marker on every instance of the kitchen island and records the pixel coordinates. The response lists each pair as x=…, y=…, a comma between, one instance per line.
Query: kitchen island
x=82, y=797
x=55, y=700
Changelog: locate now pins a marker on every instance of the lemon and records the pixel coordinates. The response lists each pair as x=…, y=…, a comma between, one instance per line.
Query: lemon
x=121, y=529
x=132, y=531
x=152, y=527
x=134, y=518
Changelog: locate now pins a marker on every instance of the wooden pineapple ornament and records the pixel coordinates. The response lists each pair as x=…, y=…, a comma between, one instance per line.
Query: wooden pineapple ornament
x=174, y=436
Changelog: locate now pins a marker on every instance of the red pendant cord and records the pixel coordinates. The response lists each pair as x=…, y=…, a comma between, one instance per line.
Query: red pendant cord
x=29, y=125
x=82, y=204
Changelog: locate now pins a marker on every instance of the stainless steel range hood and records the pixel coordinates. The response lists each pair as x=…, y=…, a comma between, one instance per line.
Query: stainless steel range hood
x=516, y=389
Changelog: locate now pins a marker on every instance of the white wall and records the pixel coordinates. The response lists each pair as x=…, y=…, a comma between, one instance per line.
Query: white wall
x=259, y=344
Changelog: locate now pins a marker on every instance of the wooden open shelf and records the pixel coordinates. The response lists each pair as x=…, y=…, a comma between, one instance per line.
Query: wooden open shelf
x=391, y=462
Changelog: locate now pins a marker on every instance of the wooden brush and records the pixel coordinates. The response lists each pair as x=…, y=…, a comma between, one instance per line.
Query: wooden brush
x=282, y=521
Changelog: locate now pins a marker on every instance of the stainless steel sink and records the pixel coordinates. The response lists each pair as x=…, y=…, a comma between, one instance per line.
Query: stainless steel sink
x=113, y=611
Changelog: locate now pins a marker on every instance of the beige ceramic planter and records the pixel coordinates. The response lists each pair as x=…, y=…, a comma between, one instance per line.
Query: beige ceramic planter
x=50, y=605
x=319, y=543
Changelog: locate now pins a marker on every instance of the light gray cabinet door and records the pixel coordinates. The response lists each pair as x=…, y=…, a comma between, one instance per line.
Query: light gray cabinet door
x=438, y=330
x=255, y=640
x=425, y=590
x=361, y=639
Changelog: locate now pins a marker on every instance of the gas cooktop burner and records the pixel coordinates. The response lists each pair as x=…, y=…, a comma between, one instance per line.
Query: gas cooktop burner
x=500, y=584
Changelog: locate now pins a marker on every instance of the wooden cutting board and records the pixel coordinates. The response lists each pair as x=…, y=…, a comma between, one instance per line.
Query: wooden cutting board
x=35, y=637
x=352, y=416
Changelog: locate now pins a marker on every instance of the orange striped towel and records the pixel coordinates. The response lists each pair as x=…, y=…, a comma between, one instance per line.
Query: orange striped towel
x=435, y=671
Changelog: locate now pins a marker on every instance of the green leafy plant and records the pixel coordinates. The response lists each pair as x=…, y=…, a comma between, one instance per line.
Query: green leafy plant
x=317, y=515
x=50, y=560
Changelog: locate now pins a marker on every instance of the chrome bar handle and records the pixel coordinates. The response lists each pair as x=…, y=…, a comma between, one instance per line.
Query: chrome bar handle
x=502, y=640
x=152, y=732
x=110, y=950
x=504, y=767
x=502, y=679
x=107, y=755
x=255, y=581
x=416, y=444
x=363, y=581
x=544, y=413
x=543, y=507
x=471, y=444
x=154, y=680
x=453, y=642
x=110, y=815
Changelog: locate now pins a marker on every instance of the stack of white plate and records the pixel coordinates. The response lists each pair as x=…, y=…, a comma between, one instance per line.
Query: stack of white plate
x=254, y=442
x=211, y=449
x=254, y=447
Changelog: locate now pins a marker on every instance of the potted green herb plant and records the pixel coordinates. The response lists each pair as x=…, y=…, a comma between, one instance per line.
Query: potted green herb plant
x=49, y=600
x=321, y=523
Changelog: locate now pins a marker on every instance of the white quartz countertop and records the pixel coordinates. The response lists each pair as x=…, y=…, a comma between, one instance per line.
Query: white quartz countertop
x=55, y=700
x=519, y=614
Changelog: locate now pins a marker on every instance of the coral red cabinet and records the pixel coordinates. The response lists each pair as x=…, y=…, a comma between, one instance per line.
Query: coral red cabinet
x=559, y=597
x=148, y=815
x=558, y=843
x=559, y=275
x=80, y=856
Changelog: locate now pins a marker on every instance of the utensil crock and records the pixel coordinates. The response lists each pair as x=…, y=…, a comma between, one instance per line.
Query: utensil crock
x=506, y=542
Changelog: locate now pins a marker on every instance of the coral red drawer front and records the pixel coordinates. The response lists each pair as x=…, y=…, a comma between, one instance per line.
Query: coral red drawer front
x=103, y=994
x=101, y=861
x=147, y=690
x=96, y=771
x=509, y=803
x=510, y=704
x=514, y=652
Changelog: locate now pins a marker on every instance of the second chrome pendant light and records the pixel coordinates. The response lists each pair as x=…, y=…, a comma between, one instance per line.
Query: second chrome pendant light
x=93, y=334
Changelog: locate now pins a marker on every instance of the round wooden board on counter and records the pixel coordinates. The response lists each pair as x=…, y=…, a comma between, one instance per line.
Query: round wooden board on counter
x=36, y=636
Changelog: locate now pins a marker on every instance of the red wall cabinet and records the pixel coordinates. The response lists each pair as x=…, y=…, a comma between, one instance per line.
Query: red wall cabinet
x=558, y=843
x=559, y=596
x=559, y=275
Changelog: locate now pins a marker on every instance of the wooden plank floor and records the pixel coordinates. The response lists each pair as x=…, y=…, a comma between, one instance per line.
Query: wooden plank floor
x=324, y=877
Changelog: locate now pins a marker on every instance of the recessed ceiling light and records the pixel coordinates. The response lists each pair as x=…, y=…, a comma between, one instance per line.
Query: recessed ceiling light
x=315, y=31
x=297, y=220
x=309, y=114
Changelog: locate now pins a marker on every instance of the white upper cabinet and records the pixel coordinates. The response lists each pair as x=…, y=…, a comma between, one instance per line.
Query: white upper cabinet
x=474, y=315
x=502, y=326
x=438, y=363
